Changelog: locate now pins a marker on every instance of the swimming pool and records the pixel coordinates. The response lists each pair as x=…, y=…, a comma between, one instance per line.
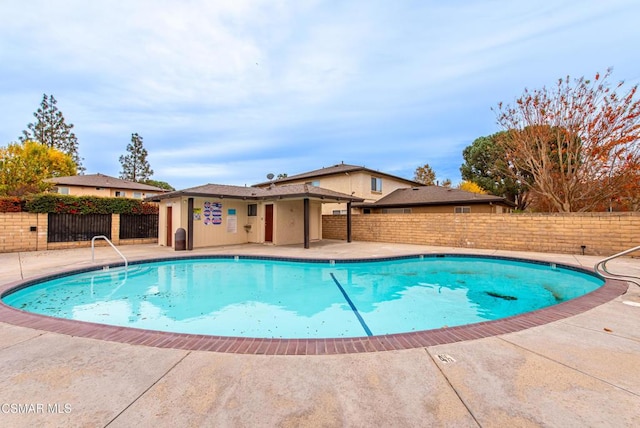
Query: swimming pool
x=295, y=299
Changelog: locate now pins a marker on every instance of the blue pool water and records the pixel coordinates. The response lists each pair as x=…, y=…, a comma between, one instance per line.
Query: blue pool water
x=293, y=299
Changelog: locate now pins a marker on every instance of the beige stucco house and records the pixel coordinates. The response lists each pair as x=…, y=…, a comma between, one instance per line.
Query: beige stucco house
x=436, y=199
x=357, y=181
x=215, y=214
x=103, y=185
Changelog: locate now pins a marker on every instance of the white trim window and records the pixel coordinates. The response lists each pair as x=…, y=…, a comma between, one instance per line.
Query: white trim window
x=121, y=194
x=462, y=210
x=63, y=190
x=376, y=184
x=137, y=195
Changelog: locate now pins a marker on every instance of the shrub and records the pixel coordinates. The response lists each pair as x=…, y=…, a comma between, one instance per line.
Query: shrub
x=65, y=204
x=11, y=204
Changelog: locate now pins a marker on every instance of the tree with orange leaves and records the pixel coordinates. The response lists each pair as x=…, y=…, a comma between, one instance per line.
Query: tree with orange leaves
x=629, y=199
x=578, y=142
x=24, y=168
x=470, y=186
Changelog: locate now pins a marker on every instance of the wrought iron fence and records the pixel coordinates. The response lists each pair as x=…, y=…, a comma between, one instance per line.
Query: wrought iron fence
x=77, y=227
x=138, y=226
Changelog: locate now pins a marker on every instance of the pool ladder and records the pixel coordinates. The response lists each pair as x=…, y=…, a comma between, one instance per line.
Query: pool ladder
x=93, y=253
x=601, y=267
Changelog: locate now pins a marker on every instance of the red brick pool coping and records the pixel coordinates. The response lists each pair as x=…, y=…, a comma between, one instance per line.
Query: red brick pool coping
x=330, y=346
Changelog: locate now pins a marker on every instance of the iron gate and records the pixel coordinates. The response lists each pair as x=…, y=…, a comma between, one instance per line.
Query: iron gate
x=138, y=226
x=78, y=227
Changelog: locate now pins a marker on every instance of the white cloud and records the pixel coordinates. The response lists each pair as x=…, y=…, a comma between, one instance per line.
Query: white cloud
x=229, y=86
x=211, y=149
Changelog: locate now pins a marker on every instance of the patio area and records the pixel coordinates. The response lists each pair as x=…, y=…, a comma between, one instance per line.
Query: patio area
x=577, y=371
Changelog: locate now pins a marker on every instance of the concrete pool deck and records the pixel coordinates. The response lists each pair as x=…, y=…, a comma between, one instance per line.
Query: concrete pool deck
x=578, y=371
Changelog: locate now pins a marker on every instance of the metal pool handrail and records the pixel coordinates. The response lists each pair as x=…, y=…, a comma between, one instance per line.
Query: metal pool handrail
x=93, y=241
x=601, y=267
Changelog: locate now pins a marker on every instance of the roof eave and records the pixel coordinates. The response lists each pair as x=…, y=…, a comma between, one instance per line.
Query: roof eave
x=433, y=203
x=275, y=196
x=327, y=198
x=330, y=173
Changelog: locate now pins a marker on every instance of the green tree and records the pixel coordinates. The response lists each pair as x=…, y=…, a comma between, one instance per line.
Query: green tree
x=135, y=166
x=51, y=130
x=24, y=167
x=579, y=141
x=282, y=175
x=425, y=175
x=160, y=184
x=485, y=163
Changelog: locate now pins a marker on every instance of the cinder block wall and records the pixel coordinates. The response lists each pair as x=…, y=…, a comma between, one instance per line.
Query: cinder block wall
x=600, y=233
x=22, y=232
x=28, y=232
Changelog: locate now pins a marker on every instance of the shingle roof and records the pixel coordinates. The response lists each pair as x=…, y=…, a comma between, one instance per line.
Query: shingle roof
x=433, y=195
x=257, y=193
x=101, y=180
x=340, y=168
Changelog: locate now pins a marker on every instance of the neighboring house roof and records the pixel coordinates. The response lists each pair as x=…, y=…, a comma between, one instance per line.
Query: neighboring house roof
x=333, y=170
x=433, y=195
x=101, y=180
x=257, y=193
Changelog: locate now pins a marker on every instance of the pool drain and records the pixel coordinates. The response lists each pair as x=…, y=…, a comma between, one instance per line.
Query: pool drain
x=500, y=296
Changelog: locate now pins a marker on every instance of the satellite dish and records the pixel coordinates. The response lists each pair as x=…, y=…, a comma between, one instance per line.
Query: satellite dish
x=270, y=176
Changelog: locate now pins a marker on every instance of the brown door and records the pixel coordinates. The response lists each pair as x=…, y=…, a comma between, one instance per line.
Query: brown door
x=268, y=223
x=169, y=226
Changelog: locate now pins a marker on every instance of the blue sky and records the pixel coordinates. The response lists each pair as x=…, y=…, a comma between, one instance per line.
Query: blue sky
x=229, y=91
